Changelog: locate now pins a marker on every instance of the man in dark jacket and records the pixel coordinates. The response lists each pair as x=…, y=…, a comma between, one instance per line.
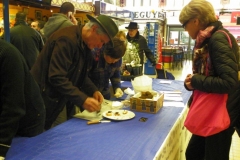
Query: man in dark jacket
x=61, y=68
x=139, y=42
x=25, y=39
x=22, y=109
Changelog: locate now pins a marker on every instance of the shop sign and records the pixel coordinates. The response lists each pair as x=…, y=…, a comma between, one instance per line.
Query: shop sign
x=148, y=15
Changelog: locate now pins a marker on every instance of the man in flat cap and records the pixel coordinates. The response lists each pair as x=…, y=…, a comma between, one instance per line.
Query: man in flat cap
x=139, y=42
x=62, y=67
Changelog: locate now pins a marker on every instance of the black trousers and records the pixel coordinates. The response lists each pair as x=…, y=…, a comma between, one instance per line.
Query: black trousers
x=215, y=147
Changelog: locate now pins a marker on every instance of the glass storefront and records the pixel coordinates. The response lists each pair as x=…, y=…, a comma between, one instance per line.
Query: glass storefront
x=178, y=37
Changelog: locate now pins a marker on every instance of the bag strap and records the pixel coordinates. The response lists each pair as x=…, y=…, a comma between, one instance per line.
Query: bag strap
x=229, y=39
x=230, y=43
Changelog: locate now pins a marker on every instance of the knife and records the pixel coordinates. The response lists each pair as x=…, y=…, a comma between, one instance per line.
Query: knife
x=98, y=121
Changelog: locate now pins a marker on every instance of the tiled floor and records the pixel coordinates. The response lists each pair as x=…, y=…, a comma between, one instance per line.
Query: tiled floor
x=180, y=74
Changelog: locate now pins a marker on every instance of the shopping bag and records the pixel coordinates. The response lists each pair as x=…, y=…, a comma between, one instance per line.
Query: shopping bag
x=207, y=114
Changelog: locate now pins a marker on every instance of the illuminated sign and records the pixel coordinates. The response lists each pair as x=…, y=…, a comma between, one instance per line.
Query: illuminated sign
x=149, y=15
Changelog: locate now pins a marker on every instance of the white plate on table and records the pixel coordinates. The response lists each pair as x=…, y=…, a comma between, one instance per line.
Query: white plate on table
x=118, y=115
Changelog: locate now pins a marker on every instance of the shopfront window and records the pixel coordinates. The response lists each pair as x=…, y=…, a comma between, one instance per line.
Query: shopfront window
x=173, y=38
x=137, y=3
x=185, y=2
x=154, y=3
x=170, y=4
x=129, y=3
x=184, y=38
x=178, y=37
x=147, y=3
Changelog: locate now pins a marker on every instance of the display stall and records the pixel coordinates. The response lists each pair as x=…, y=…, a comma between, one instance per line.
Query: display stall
x=161, y=136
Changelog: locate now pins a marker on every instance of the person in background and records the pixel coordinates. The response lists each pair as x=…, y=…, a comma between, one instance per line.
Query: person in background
x=62, y=67
x=25, y=39
x=60, y=20
x=199, y=20
x=140, y=43
x=34, y=25
x=45, y=19
x=106, y=66
x=22, y=111
x=126, y=57
x=122, y=36
x=38, y=25
x=29, y=21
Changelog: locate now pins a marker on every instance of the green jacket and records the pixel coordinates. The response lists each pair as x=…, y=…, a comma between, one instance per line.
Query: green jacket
x=27, y=41
x=56, y=22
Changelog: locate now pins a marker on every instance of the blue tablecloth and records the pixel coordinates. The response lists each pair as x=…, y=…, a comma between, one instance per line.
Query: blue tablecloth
x=131, y=139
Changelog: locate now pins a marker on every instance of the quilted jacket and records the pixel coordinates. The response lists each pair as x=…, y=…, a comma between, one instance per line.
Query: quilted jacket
x=223, y=77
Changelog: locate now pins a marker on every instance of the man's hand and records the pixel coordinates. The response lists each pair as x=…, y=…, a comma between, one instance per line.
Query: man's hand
x=118, y=93
x=98, y=96
x=91, y=105
x=73, y=19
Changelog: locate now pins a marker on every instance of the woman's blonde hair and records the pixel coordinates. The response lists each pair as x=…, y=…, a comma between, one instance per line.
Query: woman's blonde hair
x=201, y=9
x=121, y=33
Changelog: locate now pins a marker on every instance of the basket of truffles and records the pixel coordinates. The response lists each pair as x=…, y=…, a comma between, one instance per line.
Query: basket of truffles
x=147, y=101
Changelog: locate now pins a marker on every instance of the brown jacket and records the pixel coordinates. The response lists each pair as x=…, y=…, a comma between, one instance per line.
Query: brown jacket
x=61, y=71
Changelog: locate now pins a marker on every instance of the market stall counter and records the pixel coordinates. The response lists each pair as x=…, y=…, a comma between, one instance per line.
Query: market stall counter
x=159, y=136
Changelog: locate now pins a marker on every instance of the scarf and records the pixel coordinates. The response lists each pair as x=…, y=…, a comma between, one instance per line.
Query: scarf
x=201, y=61
x=97, y=52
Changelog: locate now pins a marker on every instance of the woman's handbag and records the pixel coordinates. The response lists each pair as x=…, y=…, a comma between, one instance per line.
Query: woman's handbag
x=207, y=114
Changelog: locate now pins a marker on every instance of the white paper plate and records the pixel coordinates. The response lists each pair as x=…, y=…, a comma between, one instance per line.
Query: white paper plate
x=119, y=115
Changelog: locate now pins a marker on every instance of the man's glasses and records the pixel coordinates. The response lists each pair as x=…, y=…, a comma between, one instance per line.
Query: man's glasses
x=185, y=23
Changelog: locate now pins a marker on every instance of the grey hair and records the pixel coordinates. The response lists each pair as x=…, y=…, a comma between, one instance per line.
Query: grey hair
x=99, y=29
x=201, y=9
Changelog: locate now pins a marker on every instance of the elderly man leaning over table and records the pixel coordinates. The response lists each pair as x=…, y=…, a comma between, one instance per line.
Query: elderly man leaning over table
x=62, y=67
